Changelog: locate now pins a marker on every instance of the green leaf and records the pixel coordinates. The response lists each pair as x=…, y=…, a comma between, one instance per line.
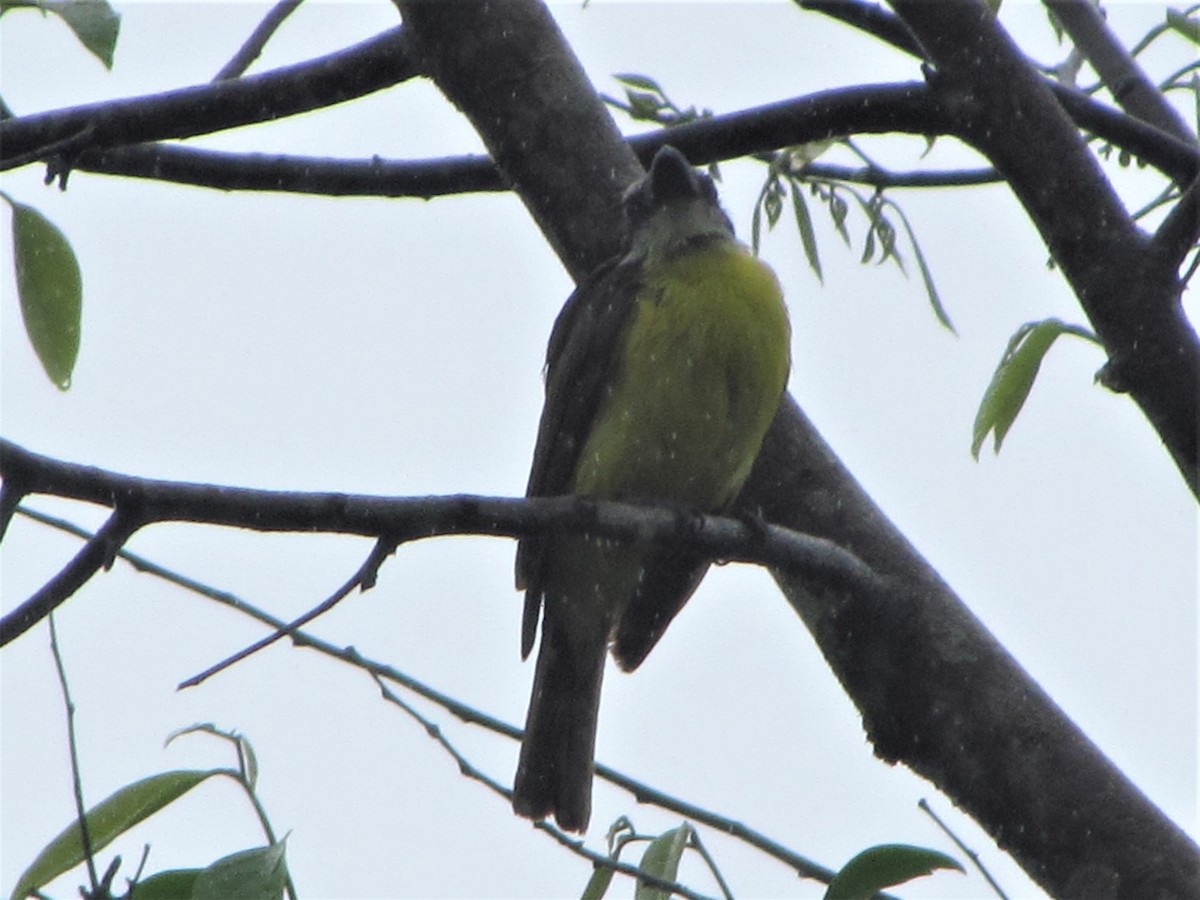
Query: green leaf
x=257, y=874
x=756, y=217
x=641, y=82
x=95, y=23
x=868, y=245
x=106, y=821
x=174, y=884
x=888, y=864
x=808, y=237
x=837, y=211
x=773, y=203
x=800, y=155
x=931, y=291
x=662, y=861
x=50, y=289
x=1181, y=24
x=597, y=885
x=1014, y=377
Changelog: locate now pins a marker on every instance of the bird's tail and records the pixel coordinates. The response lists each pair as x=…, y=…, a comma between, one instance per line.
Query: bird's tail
x=554, y=774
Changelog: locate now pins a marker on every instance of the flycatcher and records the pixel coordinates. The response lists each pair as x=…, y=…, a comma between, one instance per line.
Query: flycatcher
x=664, y=370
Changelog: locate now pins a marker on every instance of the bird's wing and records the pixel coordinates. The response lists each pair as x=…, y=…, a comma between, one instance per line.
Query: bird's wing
x=580, y=360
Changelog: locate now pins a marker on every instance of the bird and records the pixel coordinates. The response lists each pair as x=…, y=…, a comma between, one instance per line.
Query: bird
x=663, y=373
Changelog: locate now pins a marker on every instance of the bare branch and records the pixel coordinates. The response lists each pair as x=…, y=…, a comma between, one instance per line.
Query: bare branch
x=297, y=174
x=374, y=64
x=95, y=555
x=391, y=520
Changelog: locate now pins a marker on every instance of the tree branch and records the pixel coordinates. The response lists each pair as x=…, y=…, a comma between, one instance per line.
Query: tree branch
x=139, y=502
x=1117, y=68
x=1113, y=126
x=95, y=555
x=904, y=108
x=253, y=45
x=1130, y=293
x=362, y=69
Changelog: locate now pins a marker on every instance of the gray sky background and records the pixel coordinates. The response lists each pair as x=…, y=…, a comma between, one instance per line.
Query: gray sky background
x=395, y=347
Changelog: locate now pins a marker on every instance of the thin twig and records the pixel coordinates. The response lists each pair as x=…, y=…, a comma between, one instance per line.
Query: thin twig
x=468, y=769
x=971, y=854
x=364, y=578
x=642, y=792
x=85, y=835
x=253, y=47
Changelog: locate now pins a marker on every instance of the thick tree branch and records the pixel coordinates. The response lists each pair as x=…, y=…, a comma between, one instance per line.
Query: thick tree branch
x=140, y=502
x=938, y=693
x=1129, y=291
x=362, y=69
x=972, y=711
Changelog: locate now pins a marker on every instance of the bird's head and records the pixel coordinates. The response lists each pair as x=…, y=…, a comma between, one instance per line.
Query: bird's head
x=672, y=206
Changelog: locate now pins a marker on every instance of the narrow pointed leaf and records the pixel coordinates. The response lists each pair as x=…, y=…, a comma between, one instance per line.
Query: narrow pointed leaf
x=880, y=867
x=106, y=821
x=931, y=292
x=808, y=238
x=50, y=290
x=662, y=861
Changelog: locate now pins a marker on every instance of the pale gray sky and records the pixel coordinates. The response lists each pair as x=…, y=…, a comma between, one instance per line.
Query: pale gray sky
x=395, y=346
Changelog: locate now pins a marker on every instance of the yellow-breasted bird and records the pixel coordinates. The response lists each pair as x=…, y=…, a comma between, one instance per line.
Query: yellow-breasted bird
x=664, y=370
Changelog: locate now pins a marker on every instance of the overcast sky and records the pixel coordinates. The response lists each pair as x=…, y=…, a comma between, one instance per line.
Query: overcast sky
x=395, y=347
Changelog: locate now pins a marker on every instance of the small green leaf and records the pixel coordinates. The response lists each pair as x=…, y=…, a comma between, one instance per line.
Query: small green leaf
x=888, y=864
x=95, y=23
x=800, y=155
x=641, y=82
x=931, y=291
x=106, y=821
x=756, y=218
x=50, y=289
x=808, y=238
x=1014, y=377
x=643, y=106
x=257, y=874
x=773, y=203
x=837, y=211
x=597, y=885
x=868, y=245
x=174, y=884
x=662, y=861
x=1182, y=24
